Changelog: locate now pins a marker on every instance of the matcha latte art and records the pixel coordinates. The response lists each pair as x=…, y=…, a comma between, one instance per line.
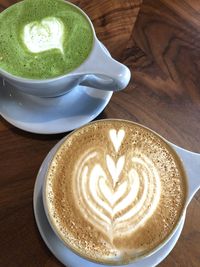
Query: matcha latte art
x=41, y=39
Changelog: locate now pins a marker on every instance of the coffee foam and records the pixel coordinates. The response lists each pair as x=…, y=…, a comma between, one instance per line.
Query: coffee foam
x=114, y=191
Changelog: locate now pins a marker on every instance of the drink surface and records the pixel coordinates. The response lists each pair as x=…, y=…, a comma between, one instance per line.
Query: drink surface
x=115, y=191
x=42, y=39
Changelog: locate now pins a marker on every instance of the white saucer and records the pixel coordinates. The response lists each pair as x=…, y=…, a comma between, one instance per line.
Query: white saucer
x=51, y=115
x=64, y=255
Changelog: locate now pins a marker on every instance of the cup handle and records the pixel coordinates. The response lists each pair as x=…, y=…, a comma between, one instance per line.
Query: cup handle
x=101, y=71
x=191, y=162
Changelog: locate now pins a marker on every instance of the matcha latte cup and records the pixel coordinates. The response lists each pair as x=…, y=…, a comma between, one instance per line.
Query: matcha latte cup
x=48, y=47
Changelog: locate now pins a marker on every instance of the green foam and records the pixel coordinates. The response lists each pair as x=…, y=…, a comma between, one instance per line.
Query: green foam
x=15, y=57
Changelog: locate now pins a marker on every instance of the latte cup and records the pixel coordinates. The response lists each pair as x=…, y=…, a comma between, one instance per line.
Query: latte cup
x=99, y=71
x=189, y=165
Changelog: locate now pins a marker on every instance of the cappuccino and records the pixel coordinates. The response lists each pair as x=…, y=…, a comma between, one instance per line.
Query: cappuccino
x=114, y=191
x=42, y=39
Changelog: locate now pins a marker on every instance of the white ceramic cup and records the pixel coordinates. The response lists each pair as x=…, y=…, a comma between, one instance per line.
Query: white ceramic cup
x=98, y=71
x=191, y=166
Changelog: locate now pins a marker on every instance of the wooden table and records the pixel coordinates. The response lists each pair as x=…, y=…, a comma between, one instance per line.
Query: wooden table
x=163, y=53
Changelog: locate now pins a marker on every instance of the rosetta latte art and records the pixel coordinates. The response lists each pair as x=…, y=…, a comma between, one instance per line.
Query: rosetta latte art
x=119, y=195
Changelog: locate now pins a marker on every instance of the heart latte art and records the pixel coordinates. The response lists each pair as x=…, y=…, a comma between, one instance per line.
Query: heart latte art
x=114, y=191
x=44, y=35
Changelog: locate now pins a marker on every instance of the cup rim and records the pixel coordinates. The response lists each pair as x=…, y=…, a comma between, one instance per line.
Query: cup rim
x=71, y=73
x=160, y=245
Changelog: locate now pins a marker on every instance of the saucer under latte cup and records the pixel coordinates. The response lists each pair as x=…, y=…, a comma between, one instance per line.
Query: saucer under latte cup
x=66, y=256
x=98, y=70
x=116, y=192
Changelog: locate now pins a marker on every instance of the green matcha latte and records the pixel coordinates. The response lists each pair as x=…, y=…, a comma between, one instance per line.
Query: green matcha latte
x=42, y=39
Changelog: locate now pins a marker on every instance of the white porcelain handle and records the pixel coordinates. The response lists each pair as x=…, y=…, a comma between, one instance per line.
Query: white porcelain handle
x=191, y=162
x=103, y=72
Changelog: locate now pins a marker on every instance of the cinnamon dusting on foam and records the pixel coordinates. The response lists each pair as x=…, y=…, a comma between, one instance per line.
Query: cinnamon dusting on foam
x=115, y=191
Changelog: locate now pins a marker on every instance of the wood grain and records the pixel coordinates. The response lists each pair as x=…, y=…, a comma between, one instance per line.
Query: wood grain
x=162, y=51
